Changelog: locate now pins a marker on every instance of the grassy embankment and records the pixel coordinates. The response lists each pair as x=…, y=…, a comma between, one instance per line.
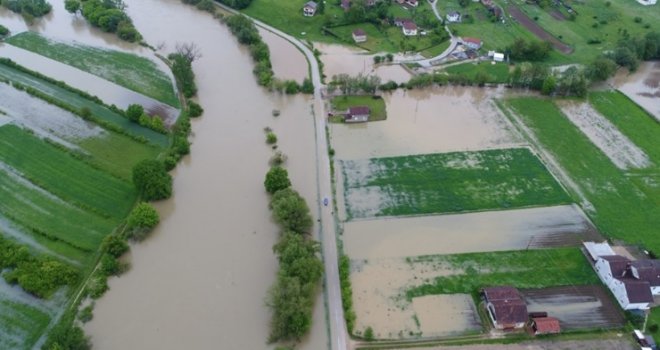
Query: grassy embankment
x=522, y=269
x=133, y=72
x=448, y=182
x=375, y=103
x=625, y=207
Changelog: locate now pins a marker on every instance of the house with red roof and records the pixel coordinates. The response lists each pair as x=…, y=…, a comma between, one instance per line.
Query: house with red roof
x=357, y=114
x=505, y=306
x=545, y=325
x=472, y=43
x=409, y=28
x=359, y=35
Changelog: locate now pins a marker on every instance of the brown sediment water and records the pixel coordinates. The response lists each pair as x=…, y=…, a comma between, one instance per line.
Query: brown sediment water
x=287, y=61
x=339, y=59
x=427, y=121
x=468, y=233
x=446, y=314
x=643, y=86
x=200, y=280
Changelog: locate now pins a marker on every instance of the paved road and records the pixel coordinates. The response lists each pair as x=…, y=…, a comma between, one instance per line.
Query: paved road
x=339, y=338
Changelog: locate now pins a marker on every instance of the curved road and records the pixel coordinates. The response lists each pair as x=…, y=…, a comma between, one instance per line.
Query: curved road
x=339, y=338
x=453, y=42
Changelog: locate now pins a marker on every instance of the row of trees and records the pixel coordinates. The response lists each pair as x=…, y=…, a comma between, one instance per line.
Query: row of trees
x=247, y=34
x=28, y=8
x=529, y=50
x=349, y=85
x=630, y=51
x=108, y=15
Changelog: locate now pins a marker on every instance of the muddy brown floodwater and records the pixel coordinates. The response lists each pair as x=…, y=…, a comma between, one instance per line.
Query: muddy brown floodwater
x=339, y=59
x=200, y=281
x=643, y=86
x=288, y=63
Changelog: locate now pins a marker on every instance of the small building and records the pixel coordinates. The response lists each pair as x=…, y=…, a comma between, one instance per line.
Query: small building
x=472, y=43
x=398, y=21
x=496, y=56
x=359, y=35
x=409, y=28
x=358, y=114
x=545, y=325
x=505, y=306
x=309, y=9
x=453, y=17
x=413, y=3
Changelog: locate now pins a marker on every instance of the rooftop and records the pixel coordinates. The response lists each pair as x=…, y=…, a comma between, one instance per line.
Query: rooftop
x=359, y=110
x=545, y=325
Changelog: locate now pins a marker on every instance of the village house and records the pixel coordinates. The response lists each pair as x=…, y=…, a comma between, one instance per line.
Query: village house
x=413, y=3
x=545, y=325
x=496, y=56
x=472, y=43
x=309, y=9
x=505, y=306
x=358, y=114
x=409, y=28
x=359, y=35
x=633, y=282
x=453, y=17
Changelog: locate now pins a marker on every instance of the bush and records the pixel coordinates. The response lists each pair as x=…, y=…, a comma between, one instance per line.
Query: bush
x=369, y=334
x=291, y=211
x=109, y=16
x=66, y=336
x=271, y=138
x=277, y=179
x=134, y=112
x=183, y=73
x=307, y=87
x=151, y=180
x=141, y=221
x=115, y=245
x=4, y=31
x=194, y=109
x=28, y=8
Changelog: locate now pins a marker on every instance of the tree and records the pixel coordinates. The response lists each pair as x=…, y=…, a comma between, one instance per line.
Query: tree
x=297, y=256
x=73, y=6
x=142, y=220
x=292, y=308
x=194, y=109
x=291, y=211
x=277, y=179
x=151, y=180
x=307, y=87
x=134, y=112
x=601, y=69
x=115, y=245
x=549, y=85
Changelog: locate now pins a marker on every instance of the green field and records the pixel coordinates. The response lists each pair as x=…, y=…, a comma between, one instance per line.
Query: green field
x=498, y=73
x=133, y=72
x=375, y=103
x=521, y=269
x=78, y=102
x=448, y=182
x=20, y=325
x=626, y=203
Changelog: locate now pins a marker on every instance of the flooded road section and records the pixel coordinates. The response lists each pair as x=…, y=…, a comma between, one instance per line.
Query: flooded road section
x=107, y=91
x=201, y=279
x=339, y=59
x=643, y=86
x=467, y=233
x=288, y=62
x=435, y=120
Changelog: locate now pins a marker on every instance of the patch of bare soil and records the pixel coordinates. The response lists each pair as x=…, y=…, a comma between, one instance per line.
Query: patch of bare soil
x=538, y=30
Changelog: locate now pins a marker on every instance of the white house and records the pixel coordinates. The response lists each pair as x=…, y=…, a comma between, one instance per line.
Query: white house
x=453, y=17
x=359, y=35
x=309, y=9
x=409, y=28
x=496, y=56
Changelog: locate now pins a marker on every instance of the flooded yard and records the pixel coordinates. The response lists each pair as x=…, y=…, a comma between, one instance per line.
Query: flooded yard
x=472, y=232
x=643, y=86
x=446, y=315
x=427, y=121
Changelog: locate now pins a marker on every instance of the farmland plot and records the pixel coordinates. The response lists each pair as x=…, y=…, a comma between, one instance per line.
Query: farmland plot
x=448, y=182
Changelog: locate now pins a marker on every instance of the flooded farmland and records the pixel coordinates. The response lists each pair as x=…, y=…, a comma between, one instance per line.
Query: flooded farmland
x=643, y=86
x=468, y=233
x=287, y=63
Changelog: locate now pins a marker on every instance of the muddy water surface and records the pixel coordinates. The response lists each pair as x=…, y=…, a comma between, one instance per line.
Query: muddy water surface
x=200, y=281
x=643, y=86
x=287, y=61
x=339, y=59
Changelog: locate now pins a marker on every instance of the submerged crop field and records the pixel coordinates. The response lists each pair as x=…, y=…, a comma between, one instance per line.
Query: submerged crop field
x=625, y=203
x=131, y=71
x=448, y=182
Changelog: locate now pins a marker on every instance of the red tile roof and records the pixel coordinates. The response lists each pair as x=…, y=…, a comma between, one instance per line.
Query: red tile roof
x=359, y=110
x=409, y=25
x=546, y=325
x=508, y=305
x=359, y=32
x=472, y=40
x=501, y=293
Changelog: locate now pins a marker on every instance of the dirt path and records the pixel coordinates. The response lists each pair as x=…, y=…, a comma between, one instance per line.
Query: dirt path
x=537, y=30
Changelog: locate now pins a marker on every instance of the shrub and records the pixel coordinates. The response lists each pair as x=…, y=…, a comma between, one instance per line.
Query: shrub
x=194, y=109
x=183, y=73
x=369, y=334
x=115, y=245
x=277, y=179
x=28, y=8
x=151, y=180
x=3, y=31
x=271, y=138
x=85, y=315
x=141, y=221
x=307, y=87
x=291, y=211
x=134, y=112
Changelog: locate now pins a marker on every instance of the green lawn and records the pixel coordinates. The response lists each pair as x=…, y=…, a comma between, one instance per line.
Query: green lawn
x=498, y=73
x=521, y=269
x=377, y=40
x=21, y=325
x=78, y=102
x=435, y=50
x=375, y=103
x=625, y=208
x=448, y=182
x=133, y=72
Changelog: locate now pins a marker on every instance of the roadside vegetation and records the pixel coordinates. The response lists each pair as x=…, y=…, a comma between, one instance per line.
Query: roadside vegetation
x=4, y=31
x=482, y=72
x=376, y=105
x=130, y=71
x=448, y=182
x=108, y=15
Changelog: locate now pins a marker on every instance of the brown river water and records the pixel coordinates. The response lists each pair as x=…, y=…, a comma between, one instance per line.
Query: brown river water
x=200, y=281
x=643, y=86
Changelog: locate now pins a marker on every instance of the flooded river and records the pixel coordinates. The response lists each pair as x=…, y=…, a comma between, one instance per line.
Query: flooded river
x=643, y=86
x=288, y=63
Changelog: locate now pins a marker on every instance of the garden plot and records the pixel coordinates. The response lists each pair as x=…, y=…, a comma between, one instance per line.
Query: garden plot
x=576, y=307
x=558, y=226
x=447, y=182
x=434, y=120
x=605, y=135
x=446, y=315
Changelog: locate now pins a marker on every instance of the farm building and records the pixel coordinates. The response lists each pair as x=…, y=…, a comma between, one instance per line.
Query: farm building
x=453, y=17
x=409, y=28
x=359, y=35
x=359, y=114
x=309, y=9
x=545, y=325
x=473, y=43
x=505, y=306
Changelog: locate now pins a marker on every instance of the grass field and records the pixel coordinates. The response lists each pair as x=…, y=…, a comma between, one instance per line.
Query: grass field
x=133, y=72
x=435, y=50
x=78, y=102
x=521, y=269
x=20, y=325
x=448, y=182
x=499, y=72
x=376, y=105
x=626, y=204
